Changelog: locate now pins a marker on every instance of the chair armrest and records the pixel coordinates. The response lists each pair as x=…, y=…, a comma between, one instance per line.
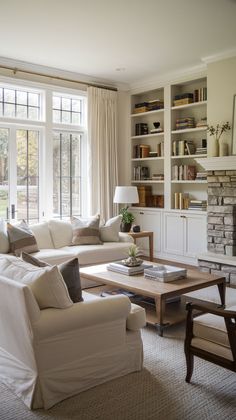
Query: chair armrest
x=206, y=308
x=81, y=315
x=125, y=237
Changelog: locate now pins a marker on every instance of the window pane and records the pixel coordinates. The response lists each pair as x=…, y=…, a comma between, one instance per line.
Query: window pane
x=75, y=118
x=56, y=116
x=75, y=169
x=21, y=111
x=33, y=198
x=76, y=105
x=33, y=99
x=9, y=110
x=33, y=158
x=65, y=117
x=65, y=196
x=9, y=95
x=66, y=104
x=4, y=186
x=0, y=109
x=1, y=94
x=56, y=175
x=21, y=97
x=76, y=196
x=33, y=113
x=65, y=156
x=21, y=145
x=56, y=102
x=22, y=199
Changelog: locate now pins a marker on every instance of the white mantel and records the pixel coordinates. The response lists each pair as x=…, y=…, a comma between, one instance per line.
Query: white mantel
x=218, y=258
x=218, y=163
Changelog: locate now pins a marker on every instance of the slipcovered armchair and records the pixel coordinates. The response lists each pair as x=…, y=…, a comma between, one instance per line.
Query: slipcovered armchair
x=211, y=336
x=47, y=355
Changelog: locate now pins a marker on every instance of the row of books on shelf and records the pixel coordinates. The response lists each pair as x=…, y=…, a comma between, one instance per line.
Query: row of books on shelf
x=183, y=172
x=197, y=95
x=148, y=106
x=143, y=151
x=188, y=147
x=183, y=202
x=143, y=173
x=142, y=129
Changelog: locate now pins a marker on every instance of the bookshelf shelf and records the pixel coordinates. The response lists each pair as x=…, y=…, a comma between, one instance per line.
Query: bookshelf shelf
x=188, y=182
x=147, y=136
x=189, y=130
x=144, y=114
x=193, y=105
x=147, y=181
x=148, y=159
x=189, y=156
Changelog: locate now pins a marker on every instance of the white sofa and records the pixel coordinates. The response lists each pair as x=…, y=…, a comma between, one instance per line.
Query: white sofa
x=54, y=239
x=50, y=354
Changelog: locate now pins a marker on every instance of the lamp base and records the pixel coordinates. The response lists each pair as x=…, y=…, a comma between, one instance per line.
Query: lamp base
x=125, y=227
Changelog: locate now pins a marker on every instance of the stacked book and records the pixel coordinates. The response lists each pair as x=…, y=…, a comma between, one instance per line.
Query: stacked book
x=183, y=123
x=200, y=94
x=183, y=172
x=201, y=176
x=164, y=273
x=141, y=129
x=141, y=107
x=201, y=150
x=155, y=104
x=183, y=99
x=158, y=177
x=181, y=201
x=141, y=173
x=202, y=122
x=120, y=267
x=198, y=205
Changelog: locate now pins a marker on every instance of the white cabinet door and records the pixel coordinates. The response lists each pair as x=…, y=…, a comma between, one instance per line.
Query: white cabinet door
x=149, y=220
x=173, y=237
x=195, y=235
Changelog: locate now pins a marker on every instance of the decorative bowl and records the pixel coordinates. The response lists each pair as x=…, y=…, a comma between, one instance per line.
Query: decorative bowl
x=132, y=263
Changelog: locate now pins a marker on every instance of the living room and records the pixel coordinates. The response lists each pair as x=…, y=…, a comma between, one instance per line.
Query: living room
x=74, y=94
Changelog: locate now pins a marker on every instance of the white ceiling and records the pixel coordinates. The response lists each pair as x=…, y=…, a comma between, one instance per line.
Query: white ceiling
x=147, y=38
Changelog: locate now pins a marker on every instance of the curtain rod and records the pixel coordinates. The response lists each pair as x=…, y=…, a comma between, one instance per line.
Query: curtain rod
x=16, y=70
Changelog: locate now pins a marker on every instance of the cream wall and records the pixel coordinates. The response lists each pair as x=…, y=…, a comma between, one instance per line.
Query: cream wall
x=221, y=87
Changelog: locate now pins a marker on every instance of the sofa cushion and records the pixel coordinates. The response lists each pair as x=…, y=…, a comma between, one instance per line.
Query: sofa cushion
x=4, y=241
x=110, y=231
x=42, y=235
x=61, y=232
x=69, y=271
x=46, y=283
x=211, y=328
x=211, y=294
x=21, y=238
x=136, y=318
x=87, y=234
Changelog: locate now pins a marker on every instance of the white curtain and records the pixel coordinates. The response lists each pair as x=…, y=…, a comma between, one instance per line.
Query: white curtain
x=102, y=151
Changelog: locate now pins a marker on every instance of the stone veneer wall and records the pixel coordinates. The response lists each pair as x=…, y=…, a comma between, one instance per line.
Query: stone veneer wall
x=221, y=212
x=221, y=224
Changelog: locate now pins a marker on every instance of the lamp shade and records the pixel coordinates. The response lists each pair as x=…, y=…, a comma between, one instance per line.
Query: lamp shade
x=126, y=195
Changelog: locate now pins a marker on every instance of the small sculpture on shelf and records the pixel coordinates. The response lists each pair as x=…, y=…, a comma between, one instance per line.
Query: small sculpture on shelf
x=157, y=128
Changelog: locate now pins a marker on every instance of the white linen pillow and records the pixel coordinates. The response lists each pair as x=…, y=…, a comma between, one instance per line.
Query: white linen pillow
x=110, y=231
x=42, y=235
x=4, y=241
x=46, y=283
x=61, y=232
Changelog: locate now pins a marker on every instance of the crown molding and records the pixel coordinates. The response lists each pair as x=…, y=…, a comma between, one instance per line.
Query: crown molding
x=220, y=56
x=173, y=76
x=49, y=71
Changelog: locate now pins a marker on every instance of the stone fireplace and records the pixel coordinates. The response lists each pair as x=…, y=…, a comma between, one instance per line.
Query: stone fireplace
x=221, y=218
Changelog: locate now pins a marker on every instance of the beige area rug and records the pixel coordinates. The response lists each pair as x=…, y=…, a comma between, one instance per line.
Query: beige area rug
x=158, y=392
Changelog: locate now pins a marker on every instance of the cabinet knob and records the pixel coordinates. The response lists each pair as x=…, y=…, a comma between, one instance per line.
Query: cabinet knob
x=141, y=212
x=183, y=217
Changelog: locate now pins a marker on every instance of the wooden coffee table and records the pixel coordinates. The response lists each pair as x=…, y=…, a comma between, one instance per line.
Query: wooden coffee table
x=159, y=291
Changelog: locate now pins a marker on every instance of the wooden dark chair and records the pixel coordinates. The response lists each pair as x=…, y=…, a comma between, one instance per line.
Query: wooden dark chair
x=210, y=335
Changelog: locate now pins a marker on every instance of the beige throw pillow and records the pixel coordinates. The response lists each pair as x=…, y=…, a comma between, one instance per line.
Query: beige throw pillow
x=86, y=232
x=69, y=271
x=21, y=238
x=110, y=231
x=46, y=283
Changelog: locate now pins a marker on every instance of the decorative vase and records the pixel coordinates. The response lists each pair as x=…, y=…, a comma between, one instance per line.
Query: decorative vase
x=223, y=149
x=214, y=147
x=125, y=227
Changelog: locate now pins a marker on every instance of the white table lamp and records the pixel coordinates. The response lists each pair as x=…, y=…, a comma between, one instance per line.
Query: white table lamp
x=126, y=195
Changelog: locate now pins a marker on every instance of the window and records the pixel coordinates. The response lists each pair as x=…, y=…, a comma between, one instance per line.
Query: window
x=67, y=174
x=67, y=110
x=42, y=161
x=21, y=104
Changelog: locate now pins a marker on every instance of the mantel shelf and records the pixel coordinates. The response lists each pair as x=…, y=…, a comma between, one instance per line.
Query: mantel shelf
x=218, y=163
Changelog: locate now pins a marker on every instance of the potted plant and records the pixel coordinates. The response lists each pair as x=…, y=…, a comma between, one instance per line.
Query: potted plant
x=216, y=132
x=127, y=219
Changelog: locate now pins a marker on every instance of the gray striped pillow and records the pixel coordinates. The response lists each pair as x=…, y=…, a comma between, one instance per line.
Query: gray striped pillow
x=86, y=233
x=21, y=239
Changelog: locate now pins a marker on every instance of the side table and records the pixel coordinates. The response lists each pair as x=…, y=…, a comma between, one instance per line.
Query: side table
x=144, y=234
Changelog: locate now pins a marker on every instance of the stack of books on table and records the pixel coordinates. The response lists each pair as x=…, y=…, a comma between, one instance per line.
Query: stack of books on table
x=165, y=273
x=120, y=267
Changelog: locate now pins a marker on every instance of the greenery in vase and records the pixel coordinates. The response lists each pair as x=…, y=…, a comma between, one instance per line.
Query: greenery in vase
x=218, y=130
x=133, y=251
x=127, y=217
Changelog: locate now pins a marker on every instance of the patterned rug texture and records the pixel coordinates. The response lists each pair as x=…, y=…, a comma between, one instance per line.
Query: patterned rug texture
x=158, y=392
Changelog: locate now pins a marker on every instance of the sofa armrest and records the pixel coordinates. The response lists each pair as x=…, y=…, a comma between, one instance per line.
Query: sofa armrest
x=81, y=315
x=125, y=237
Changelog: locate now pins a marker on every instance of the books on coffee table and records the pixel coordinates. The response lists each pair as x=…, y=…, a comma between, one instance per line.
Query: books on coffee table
x=165, y=273
x=120, y=267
